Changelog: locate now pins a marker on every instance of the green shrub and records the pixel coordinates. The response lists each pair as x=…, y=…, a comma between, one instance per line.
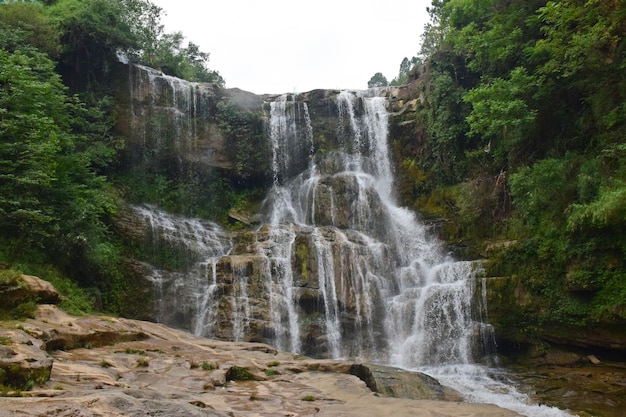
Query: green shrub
x=237, y=373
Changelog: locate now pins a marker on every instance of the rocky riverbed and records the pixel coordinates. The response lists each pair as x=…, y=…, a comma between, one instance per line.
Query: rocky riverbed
x=62, y=365
x=103, y=366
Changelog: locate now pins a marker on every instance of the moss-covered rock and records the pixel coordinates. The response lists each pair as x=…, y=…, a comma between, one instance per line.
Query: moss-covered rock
x=510, y=312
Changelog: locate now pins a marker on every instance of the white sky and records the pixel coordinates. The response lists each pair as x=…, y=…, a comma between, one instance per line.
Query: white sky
x=283, y=46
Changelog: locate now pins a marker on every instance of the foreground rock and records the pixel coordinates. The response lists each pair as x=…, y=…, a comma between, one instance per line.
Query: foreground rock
x=115, y=367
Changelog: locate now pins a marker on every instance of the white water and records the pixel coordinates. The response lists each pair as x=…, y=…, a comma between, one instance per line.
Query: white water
x=410, y=305
x=370, y=253
x=164, y=113
x=204, y=243
x=430, y=322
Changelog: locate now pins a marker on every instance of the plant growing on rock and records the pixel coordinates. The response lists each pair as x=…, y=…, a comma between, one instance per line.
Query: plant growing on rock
x=237, y=373
x=208, y=366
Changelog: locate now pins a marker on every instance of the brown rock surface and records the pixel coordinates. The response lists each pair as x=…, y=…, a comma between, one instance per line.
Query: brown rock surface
x=45, y=291
x=149, y=369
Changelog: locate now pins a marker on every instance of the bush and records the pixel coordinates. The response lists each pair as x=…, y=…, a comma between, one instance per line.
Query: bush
x=237, y=373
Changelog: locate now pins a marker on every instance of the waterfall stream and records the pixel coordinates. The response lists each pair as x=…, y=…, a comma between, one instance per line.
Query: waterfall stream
x=337, y=269
x=410, y=305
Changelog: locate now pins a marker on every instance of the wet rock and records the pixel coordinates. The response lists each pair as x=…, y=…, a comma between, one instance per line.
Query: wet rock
x=588, y=389
x=397, y=383
x=594, y=360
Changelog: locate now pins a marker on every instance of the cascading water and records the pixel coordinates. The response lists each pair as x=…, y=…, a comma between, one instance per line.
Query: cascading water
x=411, y=305
x=337, y=269
x=170, y=96
x=200, y=245
x=375, y=263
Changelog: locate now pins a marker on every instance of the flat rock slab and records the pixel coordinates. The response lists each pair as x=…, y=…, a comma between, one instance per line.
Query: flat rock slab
x=166, y=372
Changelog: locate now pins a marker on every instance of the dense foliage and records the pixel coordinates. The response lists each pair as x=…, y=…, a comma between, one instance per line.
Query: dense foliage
x=57, y=203
x=522, y=134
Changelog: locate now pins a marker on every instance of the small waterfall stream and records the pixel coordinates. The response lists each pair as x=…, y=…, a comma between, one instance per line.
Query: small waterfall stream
x=337, y=269
x=202, y=244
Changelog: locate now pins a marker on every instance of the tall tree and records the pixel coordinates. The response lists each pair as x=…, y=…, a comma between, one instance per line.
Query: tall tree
x=50, y=147
x=378, y=80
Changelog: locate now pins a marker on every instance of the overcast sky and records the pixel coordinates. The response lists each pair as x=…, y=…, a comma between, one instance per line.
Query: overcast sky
x=284, y=46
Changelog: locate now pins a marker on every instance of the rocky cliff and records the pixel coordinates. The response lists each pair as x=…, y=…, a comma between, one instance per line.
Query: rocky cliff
x=299, y=274
x=202, y=151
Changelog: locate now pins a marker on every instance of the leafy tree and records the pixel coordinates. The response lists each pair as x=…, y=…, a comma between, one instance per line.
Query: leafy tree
x=446, y=128
x=190, y=63
x=405, y=68
x=377, y=80
x=50, y=147
x=501, y=114
x=584, y=44
x=93, y=32
x=30, y=116
x=35, y=28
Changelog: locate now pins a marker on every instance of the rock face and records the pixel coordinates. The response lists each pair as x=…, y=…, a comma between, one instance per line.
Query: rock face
x=277, y=283
x=330, y=267
x=42, y=290
x=22, y=360
x=509, y=301
x=20, y=289
x=134, y=368
x=180, y=126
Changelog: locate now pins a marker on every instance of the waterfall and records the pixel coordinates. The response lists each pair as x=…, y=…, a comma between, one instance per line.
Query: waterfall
x=387, y=292
x=169, y=96
x=337, y=268
x=164, y=114
x=198, y=246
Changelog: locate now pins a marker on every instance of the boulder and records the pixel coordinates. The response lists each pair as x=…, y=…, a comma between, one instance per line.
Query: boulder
x=398, y=383
x=43, y=290
x=22, y=361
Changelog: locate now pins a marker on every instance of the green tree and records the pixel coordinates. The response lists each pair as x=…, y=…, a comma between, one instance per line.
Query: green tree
x=51, y=145
x=93, y=32
x=405, y=68
x=584, y=45
x=35, y=28
x=501, y=114
x=189, y=63
x=377, y=80
x=30, y=116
